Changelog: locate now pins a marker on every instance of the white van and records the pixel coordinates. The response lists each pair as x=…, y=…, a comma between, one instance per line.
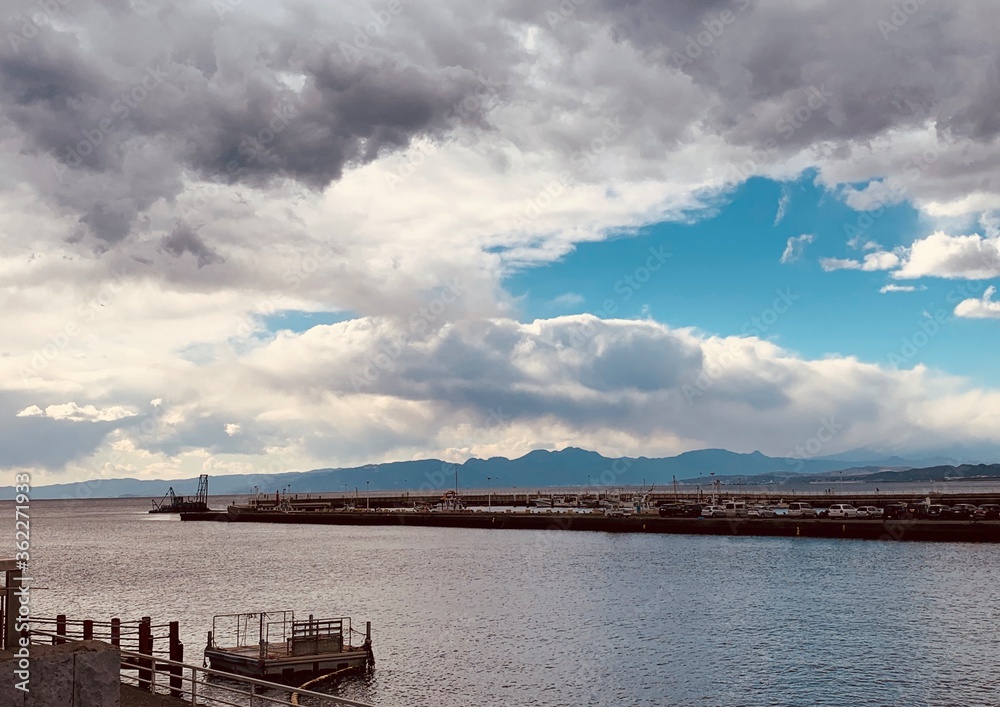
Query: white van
x=801, y=510
x=842, y=510
x=736, y=509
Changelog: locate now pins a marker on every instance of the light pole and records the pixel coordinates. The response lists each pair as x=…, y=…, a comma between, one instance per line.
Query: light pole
x=368, y=497
x=489, y=495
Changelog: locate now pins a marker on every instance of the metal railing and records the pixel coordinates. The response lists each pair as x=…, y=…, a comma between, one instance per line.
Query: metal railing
x=205, y=687
x=193, y=686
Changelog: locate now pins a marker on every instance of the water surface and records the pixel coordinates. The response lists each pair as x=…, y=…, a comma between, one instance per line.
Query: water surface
x=466, y=618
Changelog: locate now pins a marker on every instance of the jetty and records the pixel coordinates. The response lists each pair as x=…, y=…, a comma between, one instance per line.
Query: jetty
x=903, y=529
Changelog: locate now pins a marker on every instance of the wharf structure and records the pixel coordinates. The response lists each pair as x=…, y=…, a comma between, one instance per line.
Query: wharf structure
x=867, y=529
x=482, y=498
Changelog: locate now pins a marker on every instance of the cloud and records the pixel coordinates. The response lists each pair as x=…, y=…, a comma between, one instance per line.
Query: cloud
x=984, y=308
x=970, y=257
x=900, y=288
x=183, y=239
x=233, y=429
x=567, y=299
x=879, y=260
x=75, y=413
x=795, y=246
x=783, y=203
x=170, y=180
x=877, y=194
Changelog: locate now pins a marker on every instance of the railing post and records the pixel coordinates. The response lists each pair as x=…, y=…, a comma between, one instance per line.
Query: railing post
x=176, y=653
x=88, y=629
x=194, y=686
x=116, y=632
x=60, y=629
x=146, y=648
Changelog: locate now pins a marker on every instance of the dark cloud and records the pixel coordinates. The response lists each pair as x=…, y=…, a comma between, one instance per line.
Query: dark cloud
x=232, y=99
x=183, y=240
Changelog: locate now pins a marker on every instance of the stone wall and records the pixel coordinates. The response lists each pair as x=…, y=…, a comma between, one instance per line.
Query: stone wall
x=84, y=674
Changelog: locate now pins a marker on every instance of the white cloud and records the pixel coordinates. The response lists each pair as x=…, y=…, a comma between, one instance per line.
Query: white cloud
x=567, y=299
x=795, y=246
x=984, y=308
x=900, y=288
x=233, y=429
x=878, y=194
x=970, y=257
x=76, y=413
x=783, y=202
x=879, y=260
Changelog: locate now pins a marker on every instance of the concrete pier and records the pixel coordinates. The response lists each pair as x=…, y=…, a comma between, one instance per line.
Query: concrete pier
x=903, y=529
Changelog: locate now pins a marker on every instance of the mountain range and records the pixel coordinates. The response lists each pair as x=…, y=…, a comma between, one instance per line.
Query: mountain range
x=538, y=469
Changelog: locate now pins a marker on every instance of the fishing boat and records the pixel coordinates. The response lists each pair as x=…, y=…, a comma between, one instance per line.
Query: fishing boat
x=273, y=645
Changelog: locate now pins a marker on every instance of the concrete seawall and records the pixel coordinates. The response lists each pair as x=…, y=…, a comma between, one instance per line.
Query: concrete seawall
x=79, y=674
x=904, y=529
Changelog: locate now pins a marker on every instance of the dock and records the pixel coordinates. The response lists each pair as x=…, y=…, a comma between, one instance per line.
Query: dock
x=273, y=645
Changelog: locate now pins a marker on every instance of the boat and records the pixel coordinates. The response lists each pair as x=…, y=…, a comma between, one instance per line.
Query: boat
x=273, y=645
x=180, y=504
x=450, y=501
x=542, y=502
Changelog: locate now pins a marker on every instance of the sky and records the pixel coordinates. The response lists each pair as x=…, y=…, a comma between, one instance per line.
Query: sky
x=245, y=236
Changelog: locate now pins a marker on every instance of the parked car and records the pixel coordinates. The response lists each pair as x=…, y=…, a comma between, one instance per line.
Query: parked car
x=691, y=510
x=614, y=512
x=713, y=512
x=869, y=512
x=671, y=510
x=987, y=511
x=760, y=512
x=962, y=511
x=842, y=510
x=801, y=510
x=936, y=511
x=893, y=511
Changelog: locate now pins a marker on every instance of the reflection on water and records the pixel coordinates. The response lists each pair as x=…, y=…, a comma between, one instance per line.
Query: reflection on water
x=480, y=617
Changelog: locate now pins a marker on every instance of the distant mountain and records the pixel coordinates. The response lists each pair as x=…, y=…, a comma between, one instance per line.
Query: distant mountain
x=568, y=467
x=937, y=473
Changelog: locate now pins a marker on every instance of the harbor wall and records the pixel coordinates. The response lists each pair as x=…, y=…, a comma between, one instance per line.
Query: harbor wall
x=77, y=674
x=903, y=529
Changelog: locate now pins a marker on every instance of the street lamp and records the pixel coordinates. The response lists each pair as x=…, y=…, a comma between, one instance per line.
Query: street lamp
x=489, y=495
x=368, y=497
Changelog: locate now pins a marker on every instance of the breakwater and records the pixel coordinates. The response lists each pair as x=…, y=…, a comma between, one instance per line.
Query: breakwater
x=904, y=529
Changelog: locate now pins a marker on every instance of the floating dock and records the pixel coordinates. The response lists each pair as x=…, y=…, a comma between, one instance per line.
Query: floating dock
x=272, y=645
x=874, y=529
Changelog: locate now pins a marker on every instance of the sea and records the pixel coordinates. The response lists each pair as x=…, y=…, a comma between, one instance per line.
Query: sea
x=482, y=618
